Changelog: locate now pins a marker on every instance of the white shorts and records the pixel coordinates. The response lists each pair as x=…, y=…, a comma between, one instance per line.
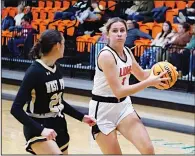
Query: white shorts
x=109, y=115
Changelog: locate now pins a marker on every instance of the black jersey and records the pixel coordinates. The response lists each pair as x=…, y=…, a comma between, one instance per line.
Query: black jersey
x=42, y=88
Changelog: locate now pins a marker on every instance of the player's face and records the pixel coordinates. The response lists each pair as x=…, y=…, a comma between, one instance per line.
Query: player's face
x=117, y=32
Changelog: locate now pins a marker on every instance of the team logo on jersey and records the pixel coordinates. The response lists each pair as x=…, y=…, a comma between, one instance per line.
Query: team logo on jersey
x=48, y=73
x=125, y=71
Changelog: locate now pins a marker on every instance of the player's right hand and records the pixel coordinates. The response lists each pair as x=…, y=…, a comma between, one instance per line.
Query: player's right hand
x=156, y=80
x=50, y=134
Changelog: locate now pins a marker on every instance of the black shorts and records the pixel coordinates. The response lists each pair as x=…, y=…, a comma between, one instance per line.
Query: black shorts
x=58, y=124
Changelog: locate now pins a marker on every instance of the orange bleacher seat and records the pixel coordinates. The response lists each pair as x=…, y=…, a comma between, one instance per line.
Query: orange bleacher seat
x=66, y=4
x=158, y=4
x=41, y=3
x=81, y=42
x=73, y=2
x=13, y=11
x=62, y=24
x=146, y=27
x=111, y=4
x=170, y=4
x=71, y=27
x=91, y=41
x=175, y=27
x=35, y=24
x=43, y=13
x=170, y=14
x=49, y=3
x=51, y=13
x=180, y=4
x=35, y=14
x=4, y=12
x=102, y=3
x=6, y=35
x=42, y=27
x=190, y=2
x=57, y=3
x=139, y=48
x=157, y=28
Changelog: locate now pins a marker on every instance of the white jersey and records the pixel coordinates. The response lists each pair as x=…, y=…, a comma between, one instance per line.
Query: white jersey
x=101, y=86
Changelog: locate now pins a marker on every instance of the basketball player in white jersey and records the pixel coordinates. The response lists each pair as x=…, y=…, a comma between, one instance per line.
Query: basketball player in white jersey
x=111, y=104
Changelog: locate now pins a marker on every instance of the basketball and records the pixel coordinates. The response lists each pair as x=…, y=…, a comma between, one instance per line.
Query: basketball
x=171, y=73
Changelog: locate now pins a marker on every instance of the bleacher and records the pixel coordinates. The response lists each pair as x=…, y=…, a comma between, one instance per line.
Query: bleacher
x=80, y=51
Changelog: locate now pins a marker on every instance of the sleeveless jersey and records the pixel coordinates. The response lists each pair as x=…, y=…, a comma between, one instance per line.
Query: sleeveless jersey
x=101, y=86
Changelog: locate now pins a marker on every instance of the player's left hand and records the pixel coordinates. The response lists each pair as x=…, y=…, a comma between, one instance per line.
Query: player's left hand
x=89, y=120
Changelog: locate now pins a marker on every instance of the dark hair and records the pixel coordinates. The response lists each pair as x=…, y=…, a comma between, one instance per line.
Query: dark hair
x=168, y=32
x=186, y=26
x=26, y=18
x=45, y=44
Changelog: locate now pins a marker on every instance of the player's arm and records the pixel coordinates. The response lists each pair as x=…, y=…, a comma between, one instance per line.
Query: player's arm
x=24, y=95
x=137, y=71
x=69, y=110
x=107, y=63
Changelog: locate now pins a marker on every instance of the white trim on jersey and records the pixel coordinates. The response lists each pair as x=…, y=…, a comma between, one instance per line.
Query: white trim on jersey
x=53, y=70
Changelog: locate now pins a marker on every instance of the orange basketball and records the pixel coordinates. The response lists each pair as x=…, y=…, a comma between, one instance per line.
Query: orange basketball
x=171, y=73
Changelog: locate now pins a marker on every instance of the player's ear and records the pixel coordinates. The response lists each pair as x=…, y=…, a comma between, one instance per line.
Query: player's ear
x=58, y=46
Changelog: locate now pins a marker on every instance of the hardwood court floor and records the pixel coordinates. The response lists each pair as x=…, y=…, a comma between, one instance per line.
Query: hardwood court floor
x=165, y=142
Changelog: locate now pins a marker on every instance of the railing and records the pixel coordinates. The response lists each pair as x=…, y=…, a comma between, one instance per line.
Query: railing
x=81, y=57
x=183, y=59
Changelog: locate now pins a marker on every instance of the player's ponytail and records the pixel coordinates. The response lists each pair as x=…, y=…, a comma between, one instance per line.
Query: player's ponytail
x=44, y=45
x=35, y=52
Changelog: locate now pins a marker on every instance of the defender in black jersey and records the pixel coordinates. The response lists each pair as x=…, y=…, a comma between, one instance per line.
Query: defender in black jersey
x=45, y=127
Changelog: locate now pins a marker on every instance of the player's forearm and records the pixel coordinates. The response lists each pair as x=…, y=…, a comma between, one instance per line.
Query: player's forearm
x=146, y=74
x=69, y=110
x=131, y=89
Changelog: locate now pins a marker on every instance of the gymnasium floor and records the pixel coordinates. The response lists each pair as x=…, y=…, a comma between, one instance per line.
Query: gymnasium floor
x=165, y=142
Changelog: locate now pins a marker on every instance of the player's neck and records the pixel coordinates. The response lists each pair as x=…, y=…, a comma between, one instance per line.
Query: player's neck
x=48, y=60
x=118, y=49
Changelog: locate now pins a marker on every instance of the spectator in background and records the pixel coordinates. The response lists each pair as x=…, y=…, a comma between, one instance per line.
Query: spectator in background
x=29, y=13
x=92, y=13
x=178, y=41
x=148, y=59
x=186, y=15
x=143, y=13
x=134, y=33
x=19, y=16
x=186, y=53
x=23, y=30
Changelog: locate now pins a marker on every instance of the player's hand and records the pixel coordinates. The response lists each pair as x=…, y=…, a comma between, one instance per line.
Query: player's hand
x=89, y=120
x=157, y=80
x=50, y=134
